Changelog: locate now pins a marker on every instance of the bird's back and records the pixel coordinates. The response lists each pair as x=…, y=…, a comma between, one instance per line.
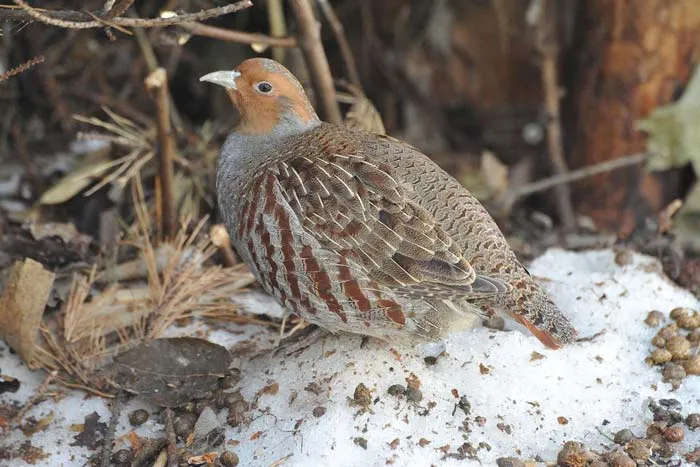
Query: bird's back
x=460, y=214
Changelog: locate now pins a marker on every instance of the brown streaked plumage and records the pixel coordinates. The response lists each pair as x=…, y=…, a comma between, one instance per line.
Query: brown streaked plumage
x=359, y=232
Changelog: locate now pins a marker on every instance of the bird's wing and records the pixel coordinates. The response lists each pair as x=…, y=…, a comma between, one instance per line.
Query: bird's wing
x=358, y=209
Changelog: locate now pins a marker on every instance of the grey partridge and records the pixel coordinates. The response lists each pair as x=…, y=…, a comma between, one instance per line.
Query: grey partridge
x=360, y=232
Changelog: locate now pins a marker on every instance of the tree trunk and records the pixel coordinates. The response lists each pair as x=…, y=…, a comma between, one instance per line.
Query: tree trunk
x=635, y=56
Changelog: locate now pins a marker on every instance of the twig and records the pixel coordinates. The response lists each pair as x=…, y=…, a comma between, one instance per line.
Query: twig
x=152, y=63
x=278, y=26
x=546, y=43
x=158, y=81
x=578, y=174
x=198, y=29
x=21, y=68
x=80, y=20
x=316, y=60
x=220, y=239
x=17, y=419
x=111, y=428
x=345, y=51
x=172, y=440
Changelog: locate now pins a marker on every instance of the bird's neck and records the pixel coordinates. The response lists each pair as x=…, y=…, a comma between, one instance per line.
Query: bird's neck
x=245, y=154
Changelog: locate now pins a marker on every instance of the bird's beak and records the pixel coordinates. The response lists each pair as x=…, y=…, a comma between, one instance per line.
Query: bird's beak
x=226, y=79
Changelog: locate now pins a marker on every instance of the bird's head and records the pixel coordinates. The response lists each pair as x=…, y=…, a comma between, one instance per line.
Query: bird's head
x=268, y=97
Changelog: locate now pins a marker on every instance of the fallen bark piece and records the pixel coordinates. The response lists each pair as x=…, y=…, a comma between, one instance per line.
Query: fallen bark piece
x=22, y=306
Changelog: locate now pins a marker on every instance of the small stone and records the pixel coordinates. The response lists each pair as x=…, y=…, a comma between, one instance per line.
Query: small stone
x=396, y=390
x=430, y=361
x=184, y=424
x=138, y=417
x=654, y=318
x=655, y=429
x=638, y=449
x=673, y=371
x=693, y=421
x=624, y=258
x=619, y=459
x=362, y=396
x=658, y=341
x=692, y=365
x=509, y=462
x=679, y=312
x=573, y=454
x=694, y=336
x=660, y=356
x=231, y=380
x=423, y=442
x=414, y=395
x=668, y=332
x=689, y=322
x=679, y=347
x=319, y=411
x=674, y=434
x=360, y=441
x=121, y=457
x=238, y=413
x=226, y=399
x=624, y=436
x=228, y=459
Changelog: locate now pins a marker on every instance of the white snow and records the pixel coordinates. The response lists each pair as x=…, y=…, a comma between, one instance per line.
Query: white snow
x=600, y=384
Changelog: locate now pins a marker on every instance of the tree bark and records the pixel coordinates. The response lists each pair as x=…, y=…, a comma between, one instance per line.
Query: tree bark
x=635, y=56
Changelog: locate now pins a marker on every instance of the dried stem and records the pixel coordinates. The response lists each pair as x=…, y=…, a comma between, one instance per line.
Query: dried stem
x=579, y=174
x=345, y=51
x=80, y=20
x=278, y=26
x=111, y=428
x=158, y=81
x=170, y=435
x=316, y=60
x=17, y=419
x=546, y=43
x=231, y=35
x=21, y=68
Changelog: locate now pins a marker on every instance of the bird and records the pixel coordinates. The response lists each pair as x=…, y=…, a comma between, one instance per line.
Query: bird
x=359, y=232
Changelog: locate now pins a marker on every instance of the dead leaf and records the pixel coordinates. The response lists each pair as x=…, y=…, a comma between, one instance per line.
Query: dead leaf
x=363, y=114
x=494, y=173
x=22, y=306
x=79, y=179
x=170, y=372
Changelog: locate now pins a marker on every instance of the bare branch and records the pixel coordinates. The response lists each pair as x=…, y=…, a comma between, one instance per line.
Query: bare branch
x=345, y=51
x=316, y=60
x=198, y=29
x=80, y=20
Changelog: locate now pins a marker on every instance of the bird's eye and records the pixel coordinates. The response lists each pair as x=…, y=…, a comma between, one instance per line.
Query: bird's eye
x=264, y=87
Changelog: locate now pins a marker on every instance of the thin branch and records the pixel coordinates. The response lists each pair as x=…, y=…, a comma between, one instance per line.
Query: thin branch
x=17, y=419
x=316, y=60
x=345, y=51
x=158, y=81
x=21, y=68
x=214, y=32
x=80, y=20
x=579, y=174
x=111, y=428
x=546, y=43
x=278, y=26
x=171, y=437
